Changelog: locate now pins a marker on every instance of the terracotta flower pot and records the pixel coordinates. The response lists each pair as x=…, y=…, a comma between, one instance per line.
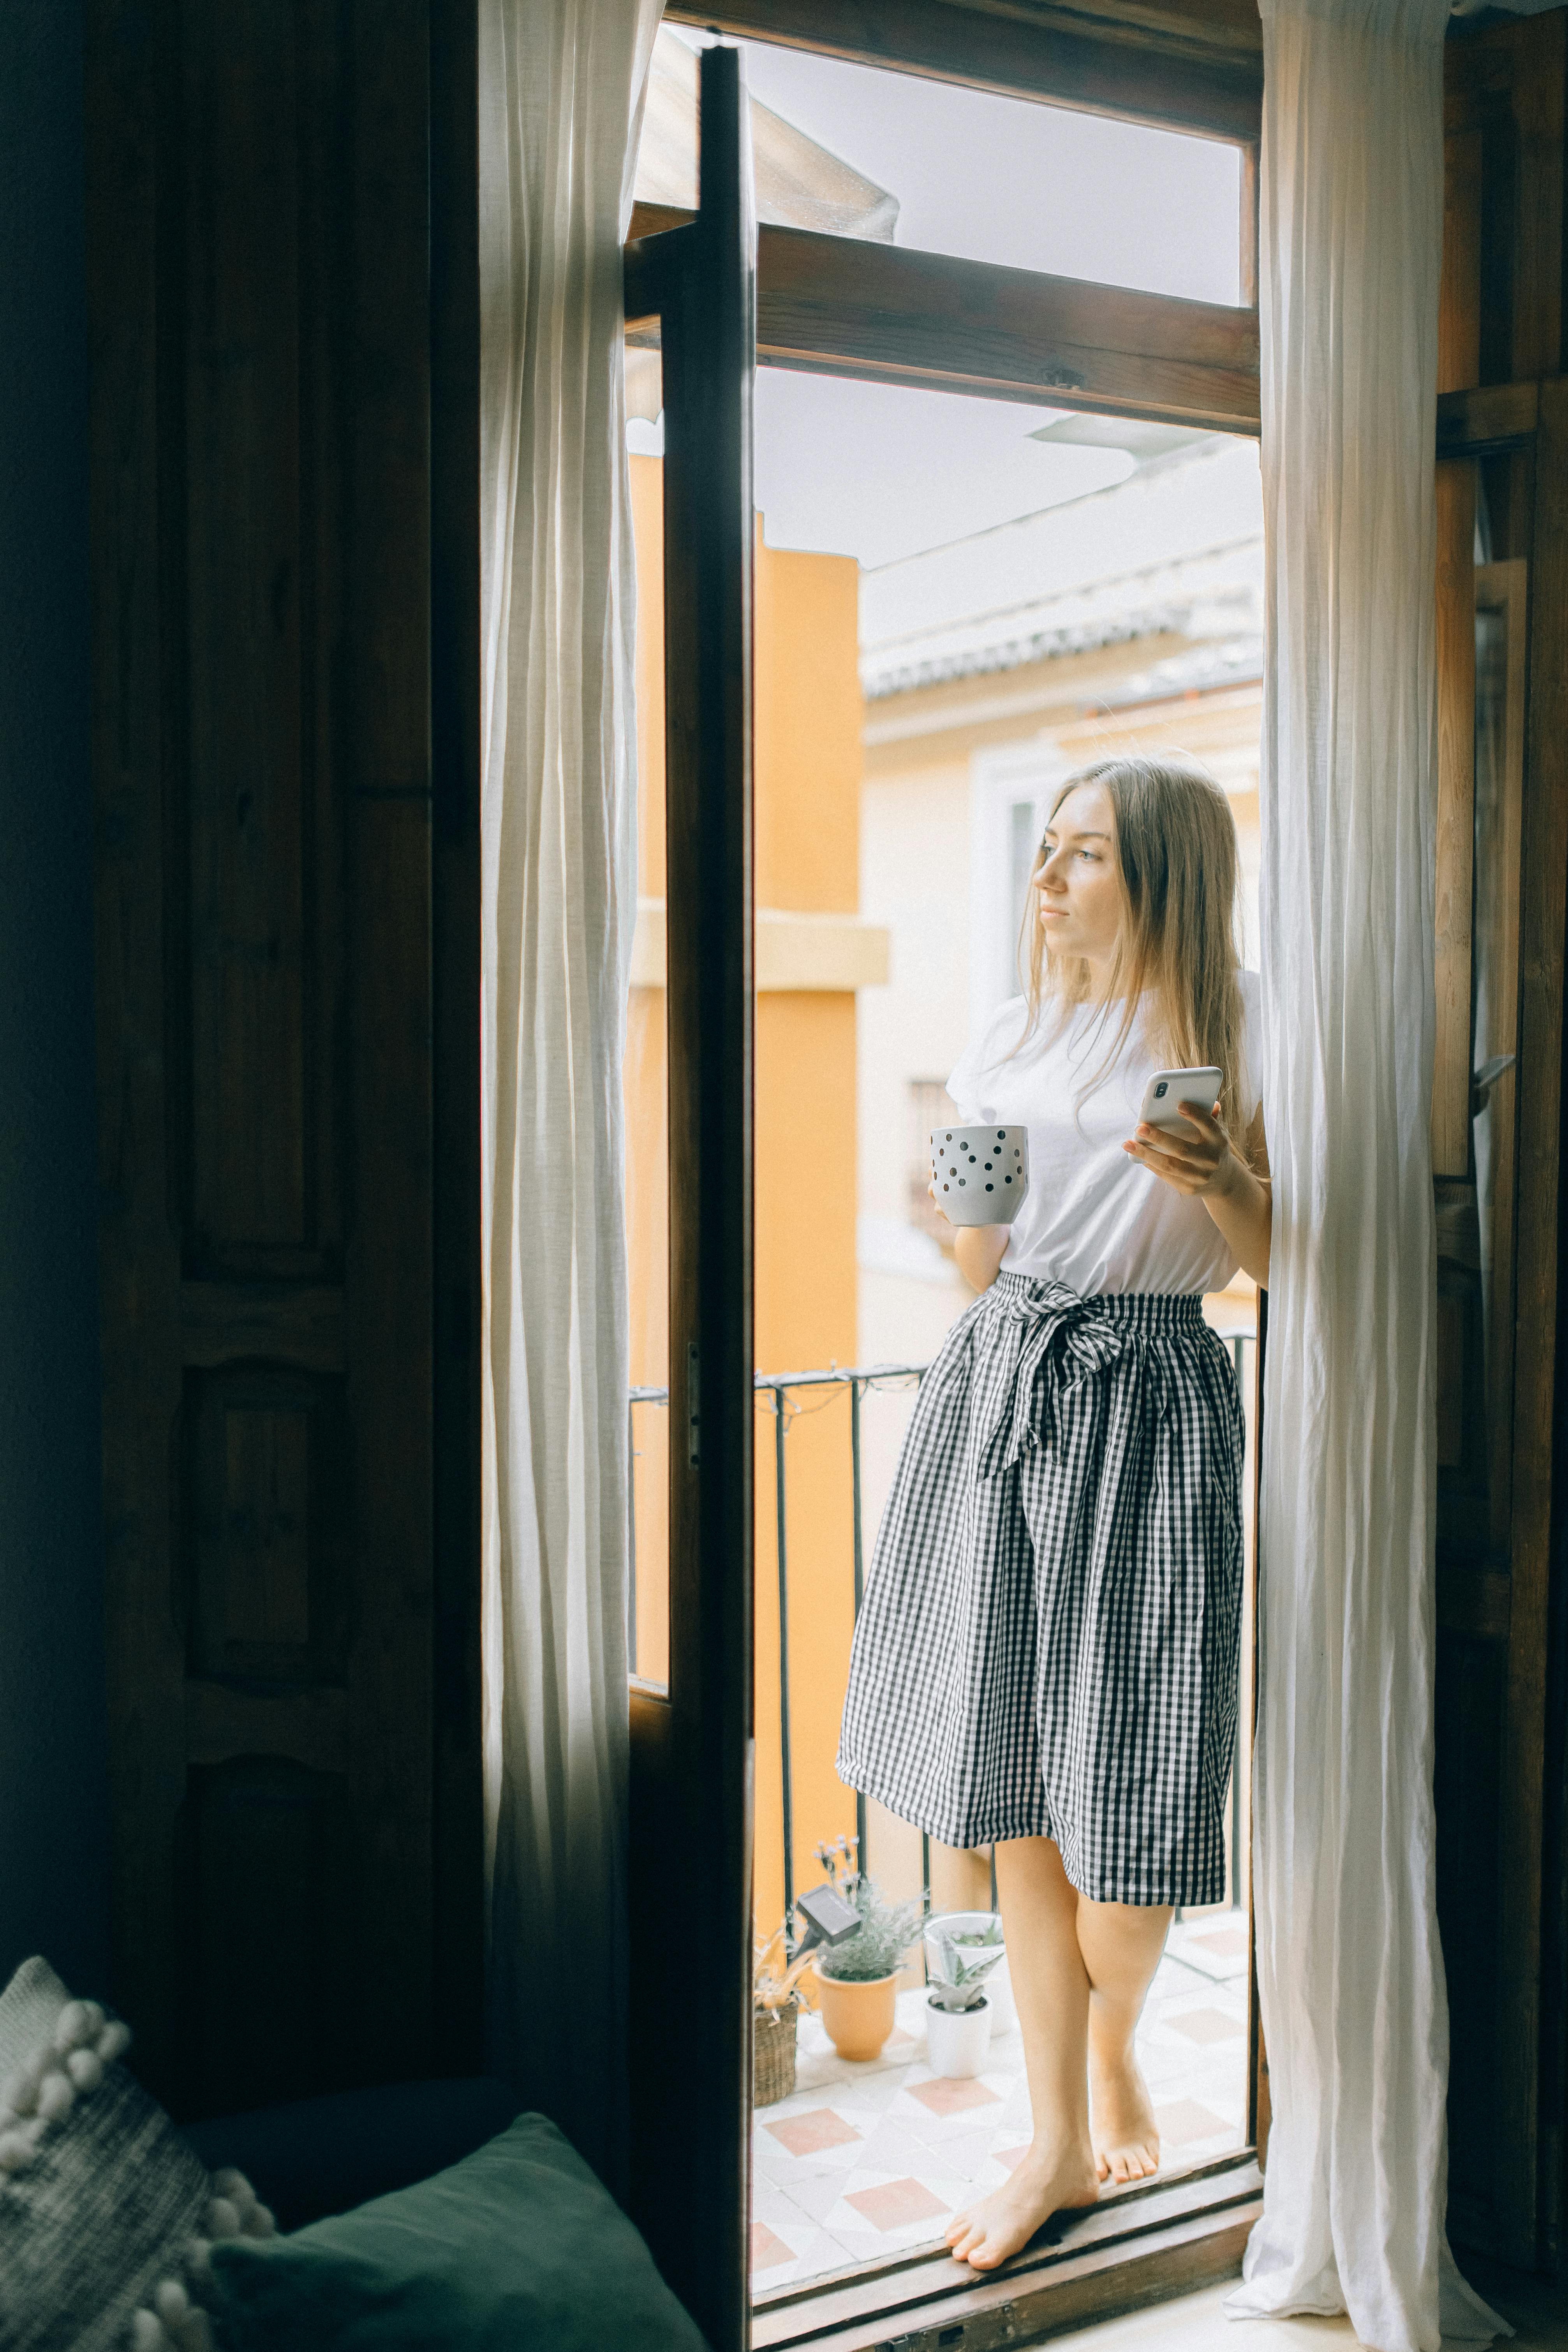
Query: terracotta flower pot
x=858, y=2016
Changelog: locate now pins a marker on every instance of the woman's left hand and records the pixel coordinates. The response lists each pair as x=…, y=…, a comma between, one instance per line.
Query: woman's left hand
x=1195, y=1163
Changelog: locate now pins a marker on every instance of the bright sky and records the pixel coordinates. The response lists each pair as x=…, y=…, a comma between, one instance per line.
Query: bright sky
x=880, y=473
x=1003, y=179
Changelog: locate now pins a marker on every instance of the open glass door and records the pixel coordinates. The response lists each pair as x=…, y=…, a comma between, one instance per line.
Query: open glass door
x=693, y=1016
x=939, y=320
x=690, y=1859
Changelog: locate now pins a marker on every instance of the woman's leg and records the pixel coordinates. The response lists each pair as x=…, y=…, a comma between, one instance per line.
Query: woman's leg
x=1120, y=1944
x=1051, y=1989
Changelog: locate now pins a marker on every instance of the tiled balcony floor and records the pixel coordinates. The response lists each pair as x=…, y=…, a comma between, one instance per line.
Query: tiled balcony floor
x=864, y=2161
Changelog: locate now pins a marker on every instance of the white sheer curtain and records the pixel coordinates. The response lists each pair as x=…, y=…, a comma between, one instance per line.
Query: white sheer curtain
x=562, y=86
x=1350, y=1970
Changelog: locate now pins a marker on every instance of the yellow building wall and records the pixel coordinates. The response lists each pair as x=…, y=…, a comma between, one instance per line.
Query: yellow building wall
x=808, y=714
x=647, y=1188
x=807, y=756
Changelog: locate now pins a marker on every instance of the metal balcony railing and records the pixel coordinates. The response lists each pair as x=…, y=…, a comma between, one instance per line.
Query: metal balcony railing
x=778, y=1388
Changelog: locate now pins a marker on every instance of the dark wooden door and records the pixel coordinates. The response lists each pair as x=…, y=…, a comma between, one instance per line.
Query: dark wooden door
x=1502, y=858
x=692, y=1742
x=287, y=918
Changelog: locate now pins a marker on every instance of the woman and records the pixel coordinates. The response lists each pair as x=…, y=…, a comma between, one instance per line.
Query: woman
x=1046, y=1660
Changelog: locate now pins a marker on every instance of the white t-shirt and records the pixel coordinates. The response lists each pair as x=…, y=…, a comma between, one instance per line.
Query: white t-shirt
x=1093, y=1218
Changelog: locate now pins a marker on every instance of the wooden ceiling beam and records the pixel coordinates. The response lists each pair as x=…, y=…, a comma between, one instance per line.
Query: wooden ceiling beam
x=837, y=306
x=1193, y=68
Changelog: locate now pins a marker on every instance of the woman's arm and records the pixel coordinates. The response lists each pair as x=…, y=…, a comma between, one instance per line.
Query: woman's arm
x=1203, y=1166
x=980, y=1250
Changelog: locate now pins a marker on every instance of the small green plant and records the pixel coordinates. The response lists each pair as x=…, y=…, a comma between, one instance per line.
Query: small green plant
x=957, y=1964
x=886, y=1932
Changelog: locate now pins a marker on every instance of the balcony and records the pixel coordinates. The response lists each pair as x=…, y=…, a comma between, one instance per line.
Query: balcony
x=867, y=2162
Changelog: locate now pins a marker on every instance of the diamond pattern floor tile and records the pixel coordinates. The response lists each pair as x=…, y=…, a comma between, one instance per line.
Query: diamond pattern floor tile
x=917, y=2145
x=894, y=2204
x=807, y=2134
x=1204, y=2025
x=1185, y=2120
x=944, y=2097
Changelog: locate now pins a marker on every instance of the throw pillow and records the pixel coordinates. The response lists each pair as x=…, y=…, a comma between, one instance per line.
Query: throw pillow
x=518, y=2245
x=104, y=2211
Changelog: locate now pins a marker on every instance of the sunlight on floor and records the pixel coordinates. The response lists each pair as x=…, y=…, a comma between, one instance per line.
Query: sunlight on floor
x=1197, y=2323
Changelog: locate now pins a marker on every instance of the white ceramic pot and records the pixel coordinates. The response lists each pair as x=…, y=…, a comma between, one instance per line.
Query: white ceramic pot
x=980, y=1174
x=958, y=2042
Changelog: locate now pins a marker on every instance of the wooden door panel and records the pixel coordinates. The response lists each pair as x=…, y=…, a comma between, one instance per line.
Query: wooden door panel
x=1470, y=1702
x=1497, y=1146
x=1481, y=655
x=265, y=1869
x=1456, y=487
x=262, y=1478
x=270, y=956
x=260, y=273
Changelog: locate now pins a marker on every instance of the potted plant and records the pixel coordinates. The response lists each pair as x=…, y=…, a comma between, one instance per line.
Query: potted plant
x=988, y=1928
x=962, y=1949
x=856, y=1980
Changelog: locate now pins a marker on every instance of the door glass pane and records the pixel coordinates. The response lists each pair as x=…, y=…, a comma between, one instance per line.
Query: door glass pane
x=945, y=626
x=1499, y=754
x=1493, y=930
x=857, y=151
x=645, y=1065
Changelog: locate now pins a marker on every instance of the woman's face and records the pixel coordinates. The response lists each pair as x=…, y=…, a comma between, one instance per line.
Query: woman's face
x=1079, y=878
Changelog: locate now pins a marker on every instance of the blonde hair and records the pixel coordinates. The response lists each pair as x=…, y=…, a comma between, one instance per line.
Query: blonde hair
x=1176, y=844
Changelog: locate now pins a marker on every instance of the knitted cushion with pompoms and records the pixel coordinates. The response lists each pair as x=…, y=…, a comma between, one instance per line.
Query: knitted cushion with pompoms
x=106, y=2216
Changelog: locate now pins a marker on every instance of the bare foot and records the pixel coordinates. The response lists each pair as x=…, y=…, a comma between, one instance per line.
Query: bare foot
x=1126, y=2136
x=1044, y=2183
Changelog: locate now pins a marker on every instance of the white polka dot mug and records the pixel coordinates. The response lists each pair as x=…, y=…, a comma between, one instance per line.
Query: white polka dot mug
x=980, y=1174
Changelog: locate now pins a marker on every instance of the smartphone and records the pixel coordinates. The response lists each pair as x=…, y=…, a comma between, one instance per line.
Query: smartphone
x=1167, y=1091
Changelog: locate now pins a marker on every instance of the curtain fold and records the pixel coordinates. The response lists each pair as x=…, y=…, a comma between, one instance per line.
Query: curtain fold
x=561, y=91
x=1349, y=1968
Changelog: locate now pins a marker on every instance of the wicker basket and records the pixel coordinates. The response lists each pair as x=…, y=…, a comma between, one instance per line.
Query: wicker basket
x=773, y=2046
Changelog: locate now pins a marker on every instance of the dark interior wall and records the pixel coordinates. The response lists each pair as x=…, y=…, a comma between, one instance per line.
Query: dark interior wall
x=54, y=1894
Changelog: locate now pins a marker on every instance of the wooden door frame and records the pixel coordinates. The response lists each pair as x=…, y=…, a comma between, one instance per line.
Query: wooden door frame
x=1501, y=318
x=836, y=306
x=831, y=305
x=456, y=930
x=691, y=1743
x=1195, y=69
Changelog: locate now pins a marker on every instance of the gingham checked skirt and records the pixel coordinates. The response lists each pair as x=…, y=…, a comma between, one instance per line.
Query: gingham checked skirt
x=1047, y=1645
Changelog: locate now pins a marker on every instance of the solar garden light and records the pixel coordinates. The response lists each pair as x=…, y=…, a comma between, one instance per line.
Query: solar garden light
x=828, y=1920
